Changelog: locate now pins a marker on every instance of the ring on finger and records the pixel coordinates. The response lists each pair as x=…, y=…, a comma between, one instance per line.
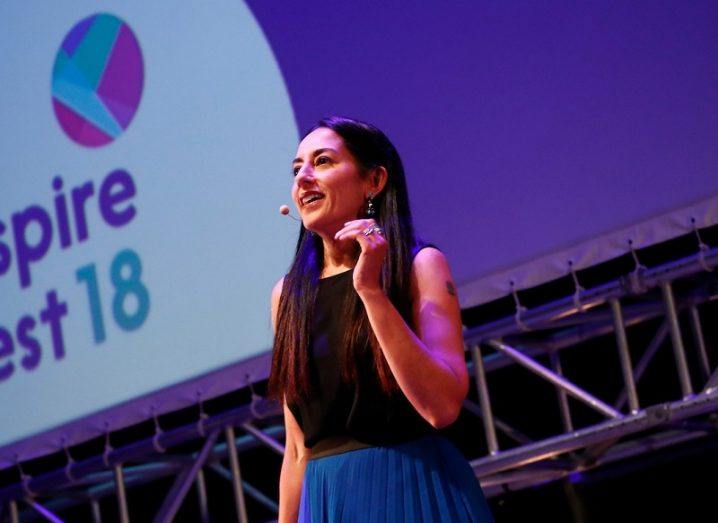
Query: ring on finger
x=371, y=229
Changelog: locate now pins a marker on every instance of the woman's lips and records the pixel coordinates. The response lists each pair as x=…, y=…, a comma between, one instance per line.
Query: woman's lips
x=312, y=204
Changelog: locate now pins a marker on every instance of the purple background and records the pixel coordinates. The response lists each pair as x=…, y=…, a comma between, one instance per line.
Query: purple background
x=525, y=127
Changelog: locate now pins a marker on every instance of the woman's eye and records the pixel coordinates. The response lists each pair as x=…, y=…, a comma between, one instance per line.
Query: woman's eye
x=319, y=161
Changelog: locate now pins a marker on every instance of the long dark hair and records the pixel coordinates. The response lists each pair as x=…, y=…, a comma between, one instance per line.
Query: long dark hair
x=289, y=375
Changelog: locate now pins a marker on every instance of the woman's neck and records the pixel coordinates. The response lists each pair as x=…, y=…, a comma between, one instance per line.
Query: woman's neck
x=339, y=255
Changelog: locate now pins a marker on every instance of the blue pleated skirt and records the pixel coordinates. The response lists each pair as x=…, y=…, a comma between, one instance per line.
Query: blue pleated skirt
x=423, y=480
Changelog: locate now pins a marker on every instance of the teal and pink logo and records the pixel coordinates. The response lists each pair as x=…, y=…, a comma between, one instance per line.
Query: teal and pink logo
x=97, y=80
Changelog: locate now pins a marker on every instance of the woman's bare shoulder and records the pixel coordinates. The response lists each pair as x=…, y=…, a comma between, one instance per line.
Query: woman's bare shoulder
x=427, y=260
x=277, y=289
x=430, y=271
x=274, y=301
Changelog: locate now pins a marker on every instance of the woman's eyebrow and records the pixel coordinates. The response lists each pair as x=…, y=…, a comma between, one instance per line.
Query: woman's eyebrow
x=315, y=153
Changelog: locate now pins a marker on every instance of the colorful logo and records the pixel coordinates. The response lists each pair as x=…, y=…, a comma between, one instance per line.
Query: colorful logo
x=97, y=80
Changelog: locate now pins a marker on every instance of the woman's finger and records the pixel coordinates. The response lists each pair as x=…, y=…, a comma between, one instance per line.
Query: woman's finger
x=355, y=225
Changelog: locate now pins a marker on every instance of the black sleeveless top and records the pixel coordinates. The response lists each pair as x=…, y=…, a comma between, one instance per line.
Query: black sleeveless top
x=359, y=411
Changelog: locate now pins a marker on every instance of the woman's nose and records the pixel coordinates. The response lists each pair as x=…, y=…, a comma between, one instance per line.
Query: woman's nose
x=304, y=175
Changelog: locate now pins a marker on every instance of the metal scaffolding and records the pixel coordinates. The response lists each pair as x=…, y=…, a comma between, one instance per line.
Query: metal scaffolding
x=533, y=339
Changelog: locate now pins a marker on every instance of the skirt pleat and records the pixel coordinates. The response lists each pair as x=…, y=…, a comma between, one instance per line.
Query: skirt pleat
x=425, y=480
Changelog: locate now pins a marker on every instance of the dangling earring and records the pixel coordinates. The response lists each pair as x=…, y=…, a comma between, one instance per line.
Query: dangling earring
x=370, y=210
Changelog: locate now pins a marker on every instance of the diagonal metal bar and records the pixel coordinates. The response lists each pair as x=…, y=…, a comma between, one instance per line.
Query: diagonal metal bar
x=182, y=484
x=512, y=432
x=498, y=361
x=47, y=514
x=646, y=358
x=555, y=379
x=96, y=512
x=679, y=351
x=562, y=397
x=121, y=496
x=700, y=342
x=252, y=491
x=624, y=355
x=12, y=508
x=483, y=391
x=202, y=497
x=236, y=477
x=712, y=383
x=262, y=436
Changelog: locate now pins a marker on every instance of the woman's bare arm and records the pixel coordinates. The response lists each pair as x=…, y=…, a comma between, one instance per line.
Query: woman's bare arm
x=292, y=473
x=295, y=454
x=428, y=365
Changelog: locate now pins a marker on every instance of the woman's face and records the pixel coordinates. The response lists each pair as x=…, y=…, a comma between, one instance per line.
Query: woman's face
x=325, y=168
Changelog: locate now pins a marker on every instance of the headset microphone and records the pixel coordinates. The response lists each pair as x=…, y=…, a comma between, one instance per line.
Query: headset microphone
x=284, y=209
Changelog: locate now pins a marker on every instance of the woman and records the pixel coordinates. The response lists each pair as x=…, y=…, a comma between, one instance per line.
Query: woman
x=368, y=357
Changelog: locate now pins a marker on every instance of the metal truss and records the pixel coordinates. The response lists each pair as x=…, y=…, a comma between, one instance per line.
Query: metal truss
x=531, y=339
x=112, y=474
x=535, y=340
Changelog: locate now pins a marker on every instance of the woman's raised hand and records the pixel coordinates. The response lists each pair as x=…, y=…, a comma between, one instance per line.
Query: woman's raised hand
x=373, y=251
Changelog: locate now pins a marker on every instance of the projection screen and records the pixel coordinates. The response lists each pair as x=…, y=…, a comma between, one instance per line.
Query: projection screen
x=146, y=148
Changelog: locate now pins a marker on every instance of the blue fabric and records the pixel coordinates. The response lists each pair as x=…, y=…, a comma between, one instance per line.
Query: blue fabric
x=424, y=480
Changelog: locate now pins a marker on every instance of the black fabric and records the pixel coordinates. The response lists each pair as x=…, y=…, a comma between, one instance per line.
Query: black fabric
x=359, y=410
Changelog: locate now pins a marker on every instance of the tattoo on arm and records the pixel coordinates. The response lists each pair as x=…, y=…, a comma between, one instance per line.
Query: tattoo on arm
x=450, y=288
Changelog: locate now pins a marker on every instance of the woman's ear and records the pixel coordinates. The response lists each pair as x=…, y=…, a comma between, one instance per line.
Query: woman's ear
x=378, y=179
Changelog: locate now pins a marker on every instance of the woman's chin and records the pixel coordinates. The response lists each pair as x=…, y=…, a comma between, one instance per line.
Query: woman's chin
x=313, y=226
x=320, y=229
